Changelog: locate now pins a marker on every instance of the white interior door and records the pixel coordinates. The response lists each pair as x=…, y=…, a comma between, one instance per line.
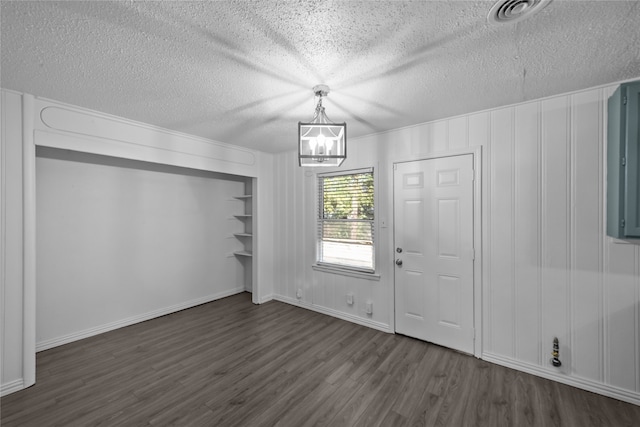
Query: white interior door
x=433, y=232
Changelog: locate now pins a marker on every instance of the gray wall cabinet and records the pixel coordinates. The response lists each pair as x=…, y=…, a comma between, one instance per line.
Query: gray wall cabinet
x=623, y=162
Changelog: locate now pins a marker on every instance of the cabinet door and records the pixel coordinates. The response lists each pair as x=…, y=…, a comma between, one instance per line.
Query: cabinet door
x=615, y=170
x=632, y=168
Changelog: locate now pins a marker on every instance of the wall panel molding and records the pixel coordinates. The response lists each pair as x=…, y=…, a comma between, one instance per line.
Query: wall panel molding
x=67, y=127
x=85, y=123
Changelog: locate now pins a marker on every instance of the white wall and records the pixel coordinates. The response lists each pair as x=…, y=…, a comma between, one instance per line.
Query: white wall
x=136, y=228
x=119, y=241
x=549, y=270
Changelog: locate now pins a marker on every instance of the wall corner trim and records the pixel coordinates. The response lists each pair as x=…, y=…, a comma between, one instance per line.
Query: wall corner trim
x=29, y=239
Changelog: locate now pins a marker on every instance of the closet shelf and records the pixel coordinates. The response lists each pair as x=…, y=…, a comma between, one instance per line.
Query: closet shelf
x=242, y=232
x=243, y=253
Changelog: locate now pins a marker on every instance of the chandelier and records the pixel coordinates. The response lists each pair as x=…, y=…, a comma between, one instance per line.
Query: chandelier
x=321, y=142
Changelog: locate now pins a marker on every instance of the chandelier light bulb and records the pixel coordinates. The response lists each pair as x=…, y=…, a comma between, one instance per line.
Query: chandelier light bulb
x=321, y=144
x=313, y=142
x=329, y=144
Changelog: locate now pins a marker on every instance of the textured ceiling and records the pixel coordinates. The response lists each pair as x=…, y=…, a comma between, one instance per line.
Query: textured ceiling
x=241, y=72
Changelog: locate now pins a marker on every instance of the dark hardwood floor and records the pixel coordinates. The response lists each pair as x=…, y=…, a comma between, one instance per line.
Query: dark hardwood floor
x=232, y=363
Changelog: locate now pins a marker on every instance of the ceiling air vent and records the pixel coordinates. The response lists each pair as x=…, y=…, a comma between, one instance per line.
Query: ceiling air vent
x=506, y=11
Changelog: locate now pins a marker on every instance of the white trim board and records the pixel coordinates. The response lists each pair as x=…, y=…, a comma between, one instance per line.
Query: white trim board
x=55, y=342
x=581, y=383
x=11, y=387
x=334, y=313
x=265, y=298
x=29, y=243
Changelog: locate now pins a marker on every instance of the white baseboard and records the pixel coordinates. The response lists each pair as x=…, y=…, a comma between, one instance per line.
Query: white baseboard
x=335, y=313
x=55, y=342
x=11, y=387
x=266, y=298
x=582, y=383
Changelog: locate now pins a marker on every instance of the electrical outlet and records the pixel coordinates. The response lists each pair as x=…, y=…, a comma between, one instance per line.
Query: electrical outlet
x=299, y=293
x=350, y=298
x=369, y=307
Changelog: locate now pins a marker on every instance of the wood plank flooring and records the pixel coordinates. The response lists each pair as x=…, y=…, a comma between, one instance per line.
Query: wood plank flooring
x=232, y=363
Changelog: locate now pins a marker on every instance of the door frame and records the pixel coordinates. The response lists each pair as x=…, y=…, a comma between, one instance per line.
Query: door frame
x=476, y=153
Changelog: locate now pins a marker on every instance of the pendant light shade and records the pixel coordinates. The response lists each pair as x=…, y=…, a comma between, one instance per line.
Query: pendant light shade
x=321, y=142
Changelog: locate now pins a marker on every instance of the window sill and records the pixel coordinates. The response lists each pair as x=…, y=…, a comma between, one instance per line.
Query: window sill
x=346, y=272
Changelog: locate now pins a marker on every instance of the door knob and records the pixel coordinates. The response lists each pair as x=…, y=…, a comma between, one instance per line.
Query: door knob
x=398, y=262
x=399, y=250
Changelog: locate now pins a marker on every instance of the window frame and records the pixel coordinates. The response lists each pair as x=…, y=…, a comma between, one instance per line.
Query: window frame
x=346, y=270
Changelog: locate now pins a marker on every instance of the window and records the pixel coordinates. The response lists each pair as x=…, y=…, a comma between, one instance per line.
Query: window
x=346, y=220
